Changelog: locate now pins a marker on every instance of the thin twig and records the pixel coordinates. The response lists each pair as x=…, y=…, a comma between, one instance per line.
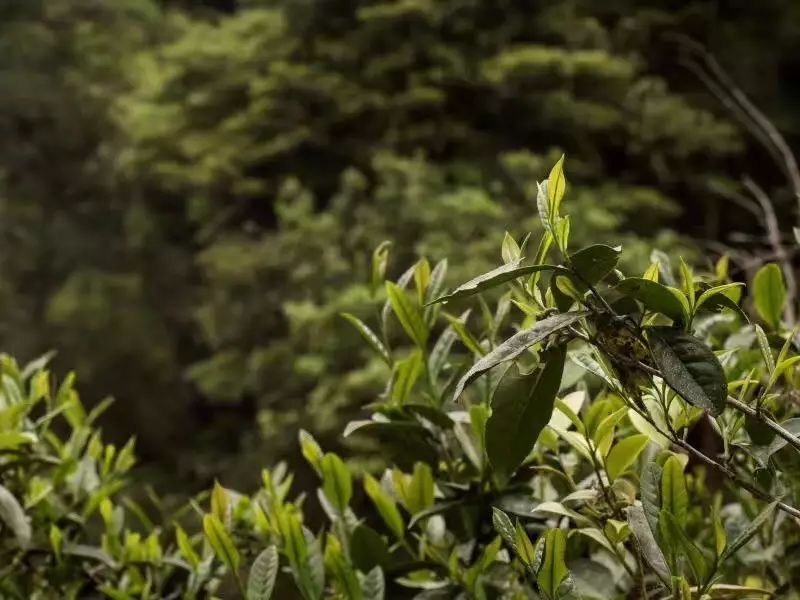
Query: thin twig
x=763, y=418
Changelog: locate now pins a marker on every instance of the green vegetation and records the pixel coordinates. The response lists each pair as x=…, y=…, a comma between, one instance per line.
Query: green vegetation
x=541, y=449
x=188, y=194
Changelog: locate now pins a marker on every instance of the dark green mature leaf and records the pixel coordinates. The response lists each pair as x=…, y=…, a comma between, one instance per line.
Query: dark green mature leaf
x=690, y=368
x=762, y=453
x=553, y=569
x=752, y=529
x=13, y=516
x=769, y=292
x=368, y=549
x=593, y=263
x=650, y=491
x=493, y=278
x=408, y=313
x=261, y=581
x=654, y=296
x=521, y=408
x=679, y=540
x=647, y=543
x=516, y=345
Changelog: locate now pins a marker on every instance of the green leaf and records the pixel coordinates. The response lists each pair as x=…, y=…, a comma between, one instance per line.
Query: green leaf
x=186, y=548
x=689, y=368
x=504, y=526
x=752, y=529
x=408, y=314
x=13, y=516
x=770, y=294
x=687, y=282
x=524, y=548
x=556, y=187
x=766, y=350
x=624, y=454
x=380, y=257
x=516, y=345
x=650, y=491
x=422, y=279
x=553, y=569
x=656, y=297
x=647, y=543
x=720, y=536
x=220, y=541
x=337, y=482
x=369, y=336
x=11, y=440
x=593, y=263
x=311, y=450
x=373, y=586
x=419, y=494
x=261, y=581
x=493, y=278
x=521, y=407
x=510, y=250
x=386, y=506
x=674, y=497
x=678, y=539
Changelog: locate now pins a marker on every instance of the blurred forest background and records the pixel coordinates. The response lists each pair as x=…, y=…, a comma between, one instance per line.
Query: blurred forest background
x=190, y=191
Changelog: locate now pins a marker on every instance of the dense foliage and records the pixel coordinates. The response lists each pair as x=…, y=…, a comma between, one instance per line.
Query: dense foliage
x=188, y=190
x=542, y=422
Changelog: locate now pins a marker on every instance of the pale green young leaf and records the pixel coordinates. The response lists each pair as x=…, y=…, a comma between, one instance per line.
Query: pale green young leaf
x=674, y=498
x=553, y=569
x=408, y=313
x=769, y=291
x=624, y=454
x=220, y=541
x=337, y=482
x=386, y=506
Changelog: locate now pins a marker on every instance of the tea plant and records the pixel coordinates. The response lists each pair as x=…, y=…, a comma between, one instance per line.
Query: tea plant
x=551, y=429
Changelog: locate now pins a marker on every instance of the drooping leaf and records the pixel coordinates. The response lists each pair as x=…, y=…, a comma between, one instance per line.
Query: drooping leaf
x=648, y=546
x=680, y=541
x=750, y=531
x=690, y=368
x=493, y=278
x=369, y=336
x=624, y=454
x=13, y=516
x=261, y=581
x=553, y=570
x=516, y=345
x=521, y=407
x=655, y=296
x=650, y=491
x=769, y=291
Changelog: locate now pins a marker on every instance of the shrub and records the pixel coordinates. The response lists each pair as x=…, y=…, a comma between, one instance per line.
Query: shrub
x=556, y=430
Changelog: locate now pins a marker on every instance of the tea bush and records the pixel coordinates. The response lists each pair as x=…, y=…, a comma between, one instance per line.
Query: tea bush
x=552, y=429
